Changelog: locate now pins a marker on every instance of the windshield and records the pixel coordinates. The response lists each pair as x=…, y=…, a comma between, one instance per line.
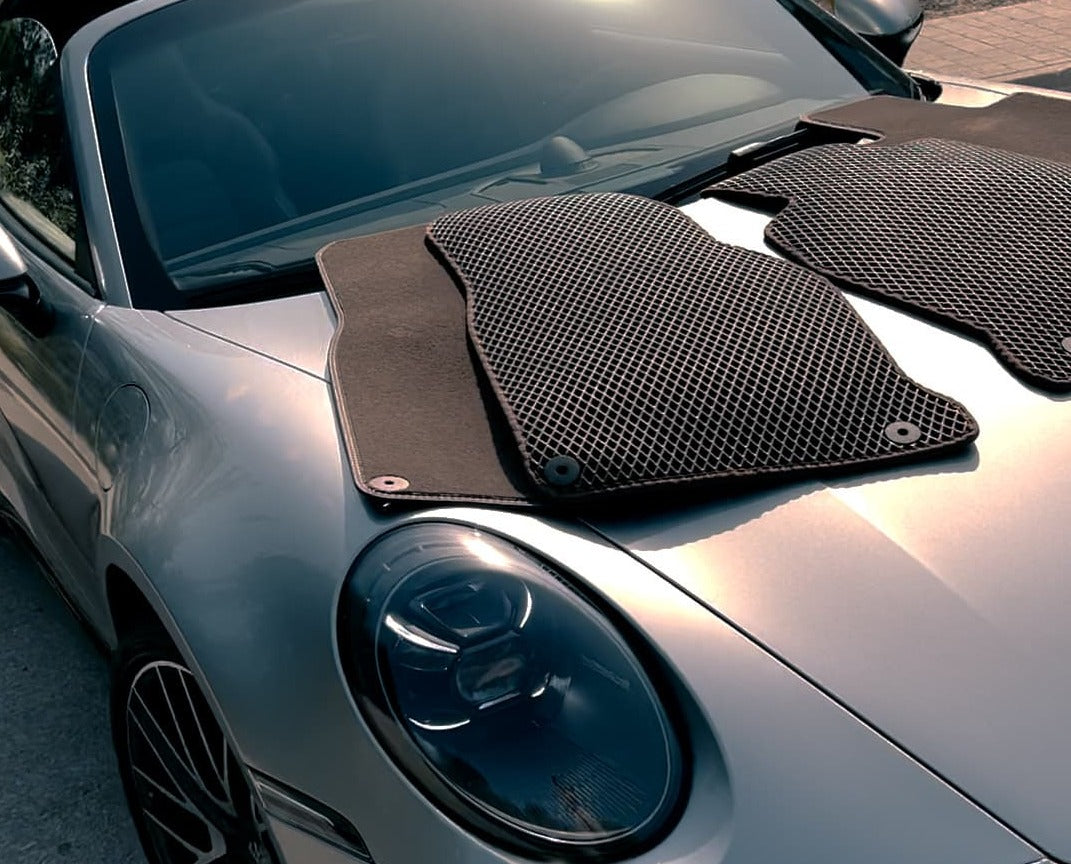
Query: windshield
x=240, y=137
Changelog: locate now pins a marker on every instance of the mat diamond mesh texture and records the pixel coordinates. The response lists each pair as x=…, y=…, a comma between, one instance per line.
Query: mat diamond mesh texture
x=629, y=348
x=973, y=236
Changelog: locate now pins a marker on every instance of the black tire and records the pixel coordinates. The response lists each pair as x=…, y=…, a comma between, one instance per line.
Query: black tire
x=188, y=796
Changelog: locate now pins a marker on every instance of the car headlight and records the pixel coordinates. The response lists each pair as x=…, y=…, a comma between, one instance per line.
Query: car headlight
x=505, y=696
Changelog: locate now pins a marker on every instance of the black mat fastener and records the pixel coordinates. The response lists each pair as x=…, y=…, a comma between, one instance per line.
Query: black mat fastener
x=975, y=237
x=629, y=349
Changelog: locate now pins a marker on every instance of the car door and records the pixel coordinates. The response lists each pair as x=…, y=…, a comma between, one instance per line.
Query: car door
x=41, y=343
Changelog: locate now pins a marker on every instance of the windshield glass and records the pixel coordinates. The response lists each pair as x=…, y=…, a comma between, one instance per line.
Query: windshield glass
x=240, y=137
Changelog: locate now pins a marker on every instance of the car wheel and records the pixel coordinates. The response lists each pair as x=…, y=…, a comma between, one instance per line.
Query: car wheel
x=189, y=798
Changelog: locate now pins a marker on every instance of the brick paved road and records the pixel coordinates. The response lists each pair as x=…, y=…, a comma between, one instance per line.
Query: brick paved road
x=958, y=7
x=1003, y=44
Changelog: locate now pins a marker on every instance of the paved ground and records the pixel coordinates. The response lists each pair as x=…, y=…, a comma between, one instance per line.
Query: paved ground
x=60, y=797
x=1008, y=43
x=1054, y=80
x=958, y=7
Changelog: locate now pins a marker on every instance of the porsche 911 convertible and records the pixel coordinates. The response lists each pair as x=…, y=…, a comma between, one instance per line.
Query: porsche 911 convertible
x=564, y=430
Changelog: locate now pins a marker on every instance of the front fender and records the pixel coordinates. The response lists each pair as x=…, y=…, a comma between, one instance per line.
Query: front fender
x=237, y=516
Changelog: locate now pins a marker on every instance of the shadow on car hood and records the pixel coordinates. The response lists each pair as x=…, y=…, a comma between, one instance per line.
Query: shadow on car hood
x=931, y=601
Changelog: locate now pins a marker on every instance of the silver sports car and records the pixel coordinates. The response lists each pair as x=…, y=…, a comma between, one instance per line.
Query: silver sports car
x=358, y=613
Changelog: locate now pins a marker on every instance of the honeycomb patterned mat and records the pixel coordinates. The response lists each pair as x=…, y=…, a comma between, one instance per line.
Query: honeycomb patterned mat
x=630, y=349
x=974, y=237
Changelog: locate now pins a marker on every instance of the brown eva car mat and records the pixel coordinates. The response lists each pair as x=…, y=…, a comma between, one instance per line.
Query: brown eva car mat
x=630, y=350
x=418, y=420
x=618, y=347
x=1025, y=123
x=974, y=237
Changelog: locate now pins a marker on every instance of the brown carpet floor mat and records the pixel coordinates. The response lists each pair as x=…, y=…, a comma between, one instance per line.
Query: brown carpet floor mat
x=975, y=237
x=418, y=418
x=630, y=350
x=1025, y=123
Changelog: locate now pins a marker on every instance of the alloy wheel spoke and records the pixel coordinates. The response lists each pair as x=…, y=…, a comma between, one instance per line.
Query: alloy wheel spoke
x=216, y=852
x=217, y=846
x=174, y=718
x=162, y=737
x=172, y=759
x=159, y=788
x=221, y=776
x=226, y=761
x=163, y=763
x=259, y=822
x=181, y=765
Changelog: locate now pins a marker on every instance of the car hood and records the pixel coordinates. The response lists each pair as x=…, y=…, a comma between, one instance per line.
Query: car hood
x=929, y=600
x=295, y=331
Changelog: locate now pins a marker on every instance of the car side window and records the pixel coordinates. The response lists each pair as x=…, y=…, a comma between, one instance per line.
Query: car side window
x=35, y=174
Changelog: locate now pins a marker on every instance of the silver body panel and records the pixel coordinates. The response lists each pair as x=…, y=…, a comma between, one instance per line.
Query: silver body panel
x=929, y=599
x=201, y=457
x=303, y=342
x=885, y=17
x=242, y=509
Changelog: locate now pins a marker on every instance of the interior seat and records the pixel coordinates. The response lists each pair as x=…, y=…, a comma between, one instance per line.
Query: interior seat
x=202, y=172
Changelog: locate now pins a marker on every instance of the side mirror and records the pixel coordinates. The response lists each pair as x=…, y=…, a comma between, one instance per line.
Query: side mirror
x=19, y=296
x=12, y=267
x=891, y=26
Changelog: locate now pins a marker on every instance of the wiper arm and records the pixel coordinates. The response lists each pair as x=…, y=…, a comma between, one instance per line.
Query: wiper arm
x=237, y=271
x=735, y=159
x=248, y=280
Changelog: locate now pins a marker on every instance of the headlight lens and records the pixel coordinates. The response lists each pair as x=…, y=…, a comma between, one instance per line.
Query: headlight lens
x=522, y=710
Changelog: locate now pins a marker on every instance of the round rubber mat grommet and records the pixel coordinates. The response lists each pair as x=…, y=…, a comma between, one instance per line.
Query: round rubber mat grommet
x=903, y=432
x=562, y=471
x=388, y=483
x=1067, y=344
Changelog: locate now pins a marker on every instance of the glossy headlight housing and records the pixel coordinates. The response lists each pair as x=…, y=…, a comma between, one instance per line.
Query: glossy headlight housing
x=510, y=700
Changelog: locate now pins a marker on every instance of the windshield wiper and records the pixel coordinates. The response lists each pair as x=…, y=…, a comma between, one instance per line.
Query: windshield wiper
x=245, y=281
x=737, y=157
x=236, y=271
